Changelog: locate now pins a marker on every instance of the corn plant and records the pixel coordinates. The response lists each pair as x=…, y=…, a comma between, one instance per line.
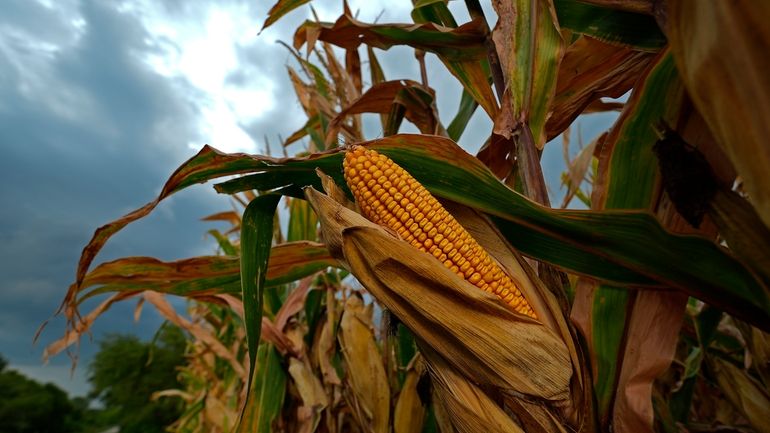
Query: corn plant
x=648, y=311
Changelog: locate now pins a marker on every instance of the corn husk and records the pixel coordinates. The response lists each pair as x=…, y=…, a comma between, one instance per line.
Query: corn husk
x=470, y=409
x=409, y=413
x=480, y=337
x=366, y=374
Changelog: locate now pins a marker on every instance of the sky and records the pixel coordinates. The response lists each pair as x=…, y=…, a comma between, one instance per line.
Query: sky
x=100, y=101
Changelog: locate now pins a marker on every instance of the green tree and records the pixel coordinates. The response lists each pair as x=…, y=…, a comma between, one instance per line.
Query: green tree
x=29, y=406
x=126, y=372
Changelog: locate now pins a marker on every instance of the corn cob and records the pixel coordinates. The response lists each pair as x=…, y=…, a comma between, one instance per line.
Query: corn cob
x=391, y=197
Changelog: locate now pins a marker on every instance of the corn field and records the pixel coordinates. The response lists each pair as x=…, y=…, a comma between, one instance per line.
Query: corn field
x=425, y=289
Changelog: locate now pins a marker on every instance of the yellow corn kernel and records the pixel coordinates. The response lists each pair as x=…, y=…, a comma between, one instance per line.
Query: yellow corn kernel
x=406, y=207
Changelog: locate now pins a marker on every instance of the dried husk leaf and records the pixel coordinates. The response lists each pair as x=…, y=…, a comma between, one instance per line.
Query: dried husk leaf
x=536, y=417
x=468, y=407
x=743, y=392
x=443, y=420
x=577, y=168
x=482, y=338
x=198, y=331
x=366, y=373
x=759, y=343
x=324, y=347
x=409, y=413
x=334, y=219
x=217, y=413
x=381, y=98
x=333, y=191
x=314, y=399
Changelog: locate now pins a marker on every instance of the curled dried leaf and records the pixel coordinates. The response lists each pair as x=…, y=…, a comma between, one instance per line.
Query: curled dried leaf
x=744, y=392
x=323, y=350
x=314, y=399
x=409, y=413
x=365, y=370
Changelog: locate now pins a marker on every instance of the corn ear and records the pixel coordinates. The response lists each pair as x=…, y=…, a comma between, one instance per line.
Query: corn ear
x=388, y=195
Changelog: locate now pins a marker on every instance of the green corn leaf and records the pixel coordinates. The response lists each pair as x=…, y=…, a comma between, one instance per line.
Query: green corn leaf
x=256, y=240
x=629, y=29
x=224, y=243
x=302, y=221
x=465, y=111
x=266, y=392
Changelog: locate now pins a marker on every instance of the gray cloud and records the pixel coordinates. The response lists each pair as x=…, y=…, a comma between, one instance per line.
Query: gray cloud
x=88, y=132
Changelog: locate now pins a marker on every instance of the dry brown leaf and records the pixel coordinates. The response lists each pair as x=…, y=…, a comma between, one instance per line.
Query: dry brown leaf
x=294, y=303
x=302, y=91
x=366, y=373
x=535, y=417
x=409, y=413
x=270, y=332
x=353, y=69
x=197, y=331
x=273, y=334
x=80, y=325
x=590, y=70
x=759, y=342
x=497, y=154
x=314, y=399
x=577, y=169
x=217, y=413
x=234, y=303
x=743, y=392
x=346, y=90
x=172, y=393
x=380, y=98
x=334, y=191
x=138, y=309
x=721, y=53
x=601, y=106
x=323, y=351
x=481, y=337
x=462, y=43
x=653, y=331
x=230, y=216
